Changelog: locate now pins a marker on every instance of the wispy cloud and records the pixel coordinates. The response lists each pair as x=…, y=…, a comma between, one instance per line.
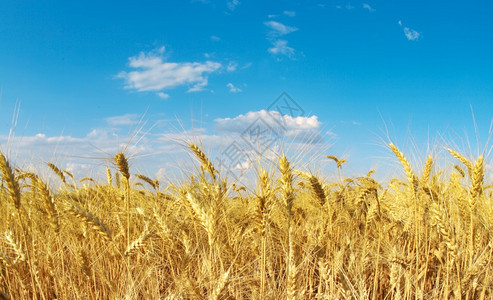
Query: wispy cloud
x=347, y=6
x=281, y=47
x=367, y=6
x=233, y=89
x=162, y=95
x=411, y=34
x=124, y=120
x=153, y=73
x=232, y=66
x=279, y=29
x=247, y=65
x=215, y=38
x=232, y=4
x=289, y=13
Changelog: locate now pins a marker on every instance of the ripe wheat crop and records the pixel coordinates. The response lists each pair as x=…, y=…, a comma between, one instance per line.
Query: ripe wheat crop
x=292, y=235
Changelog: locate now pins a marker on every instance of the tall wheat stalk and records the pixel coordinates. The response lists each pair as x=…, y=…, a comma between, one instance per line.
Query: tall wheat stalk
x=288, y=198
x=263, y=207
x=413, y=185
x=122, y=165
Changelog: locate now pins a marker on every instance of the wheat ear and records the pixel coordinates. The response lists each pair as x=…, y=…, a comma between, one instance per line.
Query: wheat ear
x=139, y=243
x=338, y=162
x=204, y=160
x=146, y=179
x=88, y=218
x=9, y=179
x=427, y=170
x=463, y=160
x=58, y=172
x=49, y=204
x=109, y=177
x=122, y=164
x=286, y=183
x=477, y=179
x=221, y=285
x=405, y=164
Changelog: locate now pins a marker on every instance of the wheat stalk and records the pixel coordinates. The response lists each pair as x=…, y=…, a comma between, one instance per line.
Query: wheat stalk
x=9, y=179
x=93, y=222
x=221, y=285
x=58, y=172
x=463, y=160
x=206, y=163
x=338, y=162
x=109, y=177
x=263, y=207
x=317, y=189
x=407, y=167
x=477, y=180
x=288, y=197
x=287, y=184
x=83, y=261
x=427, y=170
x=146, y=179
x=21, y=255
x=122, y=164
x=139, y=243
x=460, y=171
x=87, y=179
x=205, y=218
x=49, y=204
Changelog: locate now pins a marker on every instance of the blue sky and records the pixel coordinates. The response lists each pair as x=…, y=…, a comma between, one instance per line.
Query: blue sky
x=83, y=73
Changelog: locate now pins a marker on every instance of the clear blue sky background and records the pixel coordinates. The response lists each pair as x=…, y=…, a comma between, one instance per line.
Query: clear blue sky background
x=416, y=67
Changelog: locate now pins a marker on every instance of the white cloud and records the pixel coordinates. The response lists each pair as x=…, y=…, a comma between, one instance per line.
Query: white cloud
x=124, y=120
x=233, y=89
x=367, y=6
x=295, y=127
x=411, y=34
x=78, y=167
x=289, y=13
x=232, y=4
x=347, y=6
x=153, y=73
x=215, y=38
x=162, y=95
x=280, y=47
x=247, y=65
x=232, y=66
x=198, y=87
x=271, y=16
x=279, y=29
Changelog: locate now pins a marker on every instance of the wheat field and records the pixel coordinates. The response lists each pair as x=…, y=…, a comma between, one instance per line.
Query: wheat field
x=292, y=235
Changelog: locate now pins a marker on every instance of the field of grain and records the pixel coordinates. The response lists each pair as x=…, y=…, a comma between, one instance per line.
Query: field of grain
x=293, y=235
